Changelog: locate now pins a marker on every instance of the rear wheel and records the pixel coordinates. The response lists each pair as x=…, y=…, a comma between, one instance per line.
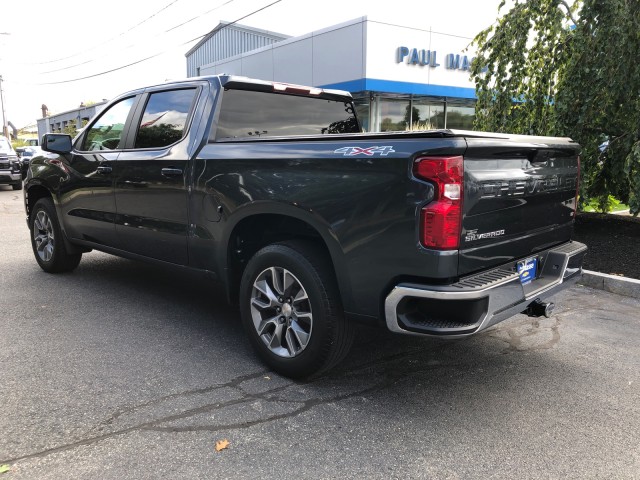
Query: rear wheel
x=46, y=239
x=291, y=310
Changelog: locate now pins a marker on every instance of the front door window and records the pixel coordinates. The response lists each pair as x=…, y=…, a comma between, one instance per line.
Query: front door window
x=107, y=132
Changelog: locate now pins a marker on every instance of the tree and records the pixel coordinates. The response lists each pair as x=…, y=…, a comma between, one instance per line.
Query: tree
x=158, y=135
x=411, y=118
x=70, y=129
x=548, y=68
x=598, y=99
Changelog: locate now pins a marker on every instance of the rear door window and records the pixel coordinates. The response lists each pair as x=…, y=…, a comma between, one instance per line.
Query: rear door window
x=249, y=114
x=165, y=118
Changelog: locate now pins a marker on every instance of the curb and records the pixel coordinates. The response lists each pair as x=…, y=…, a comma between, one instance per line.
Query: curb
x=629, y=287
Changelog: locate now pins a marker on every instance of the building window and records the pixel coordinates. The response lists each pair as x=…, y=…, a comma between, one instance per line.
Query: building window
x=427, y=114
x=363, y=108
x=400, y=114
x=460, y=118
x=395, y=114
x=414, y=113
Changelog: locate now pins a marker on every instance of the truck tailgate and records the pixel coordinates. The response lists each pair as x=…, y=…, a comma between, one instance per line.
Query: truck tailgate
x=519, y=198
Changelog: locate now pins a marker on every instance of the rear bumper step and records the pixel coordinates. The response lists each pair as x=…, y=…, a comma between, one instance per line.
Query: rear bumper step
x=479, y=301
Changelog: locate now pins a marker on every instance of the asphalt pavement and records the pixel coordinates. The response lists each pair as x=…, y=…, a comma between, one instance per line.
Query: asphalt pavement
x=126, y=370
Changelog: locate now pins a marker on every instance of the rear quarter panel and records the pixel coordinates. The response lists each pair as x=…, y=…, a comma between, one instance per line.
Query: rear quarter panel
x=364, y=206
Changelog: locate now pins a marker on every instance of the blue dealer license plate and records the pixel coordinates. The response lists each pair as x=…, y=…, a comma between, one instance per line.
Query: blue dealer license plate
x=527, y=270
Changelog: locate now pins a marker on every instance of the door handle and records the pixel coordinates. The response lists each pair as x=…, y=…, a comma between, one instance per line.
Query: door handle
x=171, y=172
x=104, y=169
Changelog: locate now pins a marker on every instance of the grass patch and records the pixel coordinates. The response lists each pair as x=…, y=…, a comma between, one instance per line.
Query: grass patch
x=612, y=204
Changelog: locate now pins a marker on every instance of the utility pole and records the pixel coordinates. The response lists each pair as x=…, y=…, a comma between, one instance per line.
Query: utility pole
x=5, y=131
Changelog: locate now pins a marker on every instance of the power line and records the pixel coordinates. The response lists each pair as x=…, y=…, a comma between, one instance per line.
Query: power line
x=102, y=43
x=135, y=44
x=197, y=16
x=211, y=33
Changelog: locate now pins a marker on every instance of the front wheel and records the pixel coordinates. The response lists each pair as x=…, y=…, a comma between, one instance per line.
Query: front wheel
x=46, y=239
x=17, y=186
x=291, y=310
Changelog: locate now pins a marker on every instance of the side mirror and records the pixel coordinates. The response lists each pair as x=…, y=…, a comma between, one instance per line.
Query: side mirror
x=56, y=143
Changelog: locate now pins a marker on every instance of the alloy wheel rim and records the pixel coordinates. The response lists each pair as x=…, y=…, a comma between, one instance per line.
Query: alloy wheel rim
x=281, y=312
x=43, y=236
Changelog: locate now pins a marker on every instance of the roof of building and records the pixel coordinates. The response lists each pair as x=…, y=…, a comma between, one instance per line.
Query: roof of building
x=236, y=26
x=74, y=110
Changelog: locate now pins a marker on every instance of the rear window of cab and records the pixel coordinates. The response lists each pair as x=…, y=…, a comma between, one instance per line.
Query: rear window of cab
x=249, y=114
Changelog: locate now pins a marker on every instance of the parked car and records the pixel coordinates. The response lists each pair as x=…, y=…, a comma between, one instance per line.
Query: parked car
x=26, y=154
x=309, y=224
x=10, y=167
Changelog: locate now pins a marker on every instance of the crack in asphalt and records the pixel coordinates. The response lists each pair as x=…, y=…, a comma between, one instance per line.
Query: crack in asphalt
x=234, y=383
x=305, y=406
x=96, y=438
x=389, y=376
x=388, y=371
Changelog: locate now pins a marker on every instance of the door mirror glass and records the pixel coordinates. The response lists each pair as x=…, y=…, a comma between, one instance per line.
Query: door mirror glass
x=56, y=143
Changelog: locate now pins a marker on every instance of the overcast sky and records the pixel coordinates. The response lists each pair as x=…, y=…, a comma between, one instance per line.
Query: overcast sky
x=45, y=42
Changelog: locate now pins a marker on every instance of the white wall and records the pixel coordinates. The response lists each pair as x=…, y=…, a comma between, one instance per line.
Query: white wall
x=383, y=42
x=350, y=51
x=292, y=61
x=338, y=54
x=258, y=65
x=334, y=54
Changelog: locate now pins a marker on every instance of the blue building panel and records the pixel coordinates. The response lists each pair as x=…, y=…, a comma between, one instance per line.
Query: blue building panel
x=388, y=86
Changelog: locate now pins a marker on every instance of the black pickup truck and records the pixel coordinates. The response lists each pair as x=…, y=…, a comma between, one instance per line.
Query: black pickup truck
x=309, y=224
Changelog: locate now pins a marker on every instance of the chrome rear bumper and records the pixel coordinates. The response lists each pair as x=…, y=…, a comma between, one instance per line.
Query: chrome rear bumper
x=479, y=301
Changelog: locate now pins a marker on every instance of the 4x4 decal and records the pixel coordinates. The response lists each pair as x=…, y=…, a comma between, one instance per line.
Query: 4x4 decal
x=369, y=151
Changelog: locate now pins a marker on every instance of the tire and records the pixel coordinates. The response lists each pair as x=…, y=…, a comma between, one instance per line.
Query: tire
x=291, y=310
x=17, y=186
x=47, y=241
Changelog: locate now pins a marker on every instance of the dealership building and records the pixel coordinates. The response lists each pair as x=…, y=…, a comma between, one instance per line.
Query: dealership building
x=400, y=77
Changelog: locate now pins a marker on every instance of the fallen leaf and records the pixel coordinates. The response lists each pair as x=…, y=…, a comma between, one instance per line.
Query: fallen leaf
x=4, y=468
x=222, y=444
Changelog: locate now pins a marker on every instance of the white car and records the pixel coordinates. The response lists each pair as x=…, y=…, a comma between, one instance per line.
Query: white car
x=10, y=167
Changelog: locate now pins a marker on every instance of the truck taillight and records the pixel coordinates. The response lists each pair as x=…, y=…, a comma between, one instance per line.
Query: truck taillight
x=441, y=219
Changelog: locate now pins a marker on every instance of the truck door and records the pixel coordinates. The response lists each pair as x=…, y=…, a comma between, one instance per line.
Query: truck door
x=87, y=198
x=151, y=178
